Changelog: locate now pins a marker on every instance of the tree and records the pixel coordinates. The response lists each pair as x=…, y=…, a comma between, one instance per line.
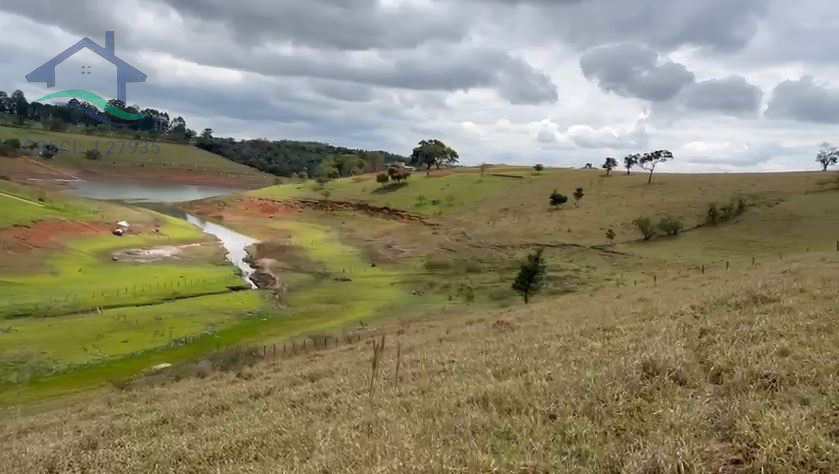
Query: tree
x=538, y=168
x=631, y=161
x=578, y=196
x=13, y=143
x=433, y=153
x=49, y=151
x=670, y=225
x=531, y=275
x=828, y=155
x=558, y=199
x=650, y=160
x=484, y=168
x=610, y=164
x=207, y=134
x=610, y=234
x=645, y=225
x=21, y=106
x=382, y=178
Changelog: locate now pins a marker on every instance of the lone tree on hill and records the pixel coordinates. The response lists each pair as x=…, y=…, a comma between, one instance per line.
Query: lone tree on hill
x=538, y=168
x=828, y=156
x=631, y=161
x=531, y=275
x=578, y=196
x=433, y=153
x=610, y=164
x=649, y=161
x=558, y=199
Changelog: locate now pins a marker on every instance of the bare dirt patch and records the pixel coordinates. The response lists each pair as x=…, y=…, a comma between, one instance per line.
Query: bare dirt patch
x=48, y=234
x=152, y=255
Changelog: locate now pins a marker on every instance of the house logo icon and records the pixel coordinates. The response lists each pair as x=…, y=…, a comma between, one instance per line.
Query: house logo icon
x=126, y=73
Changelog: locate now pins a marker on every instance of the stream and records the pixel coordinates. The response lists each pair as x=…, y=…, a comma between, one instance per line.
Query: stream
x=162, y=198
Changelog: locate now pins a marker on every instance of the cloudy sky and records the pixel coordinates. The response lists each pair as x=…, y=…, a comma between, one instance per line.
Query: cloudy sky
x=728, y=85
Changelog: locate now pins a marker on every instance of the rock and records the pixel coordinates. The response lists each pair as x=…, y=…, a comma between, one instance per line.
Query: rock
x=263, y=280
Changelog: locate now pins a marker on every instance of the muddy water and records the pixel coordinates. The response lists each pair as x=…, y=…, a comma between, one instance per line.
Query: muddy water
x=162, y=198
x=234, y=242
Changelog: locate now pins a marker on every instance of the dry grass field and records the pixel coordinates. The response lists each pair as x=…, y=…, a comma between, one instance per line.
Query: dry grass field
x=727, y=372
x=712, y=351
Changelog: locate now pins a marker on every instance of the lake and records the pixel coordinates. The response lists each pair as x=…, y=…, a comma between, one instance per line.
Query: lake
x=162, y=198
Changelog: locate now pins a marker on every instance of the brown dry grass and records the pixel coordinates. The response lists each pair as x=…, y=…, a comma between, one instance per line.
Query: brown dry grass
x=726, y=372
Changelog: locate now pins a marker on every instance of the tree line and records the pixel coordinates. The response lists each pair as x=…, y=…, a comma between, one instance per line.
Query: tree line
x=154, y=124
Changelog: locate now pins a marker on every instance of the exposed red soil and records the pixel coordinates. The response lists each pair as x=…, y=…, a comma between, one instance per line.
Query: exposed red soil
x=48, y=234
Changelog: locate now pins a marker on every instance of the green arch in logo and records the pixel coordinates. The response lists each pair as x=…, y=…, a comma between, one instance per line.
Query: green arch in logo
x=93, y=99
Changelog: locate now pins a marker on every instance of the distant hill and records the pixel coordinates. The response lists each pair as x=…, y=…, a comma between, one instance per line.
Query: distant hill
x=125, y=158
x=302, y=159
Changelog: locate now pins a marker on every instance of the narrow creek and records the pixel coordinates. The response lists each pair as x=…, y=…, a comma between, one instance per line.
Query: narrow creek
x=164, y=199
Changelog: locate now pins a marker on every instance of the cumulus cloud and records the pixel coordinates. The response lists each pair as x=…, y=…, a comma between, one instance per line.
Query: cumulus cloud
x=732, y=95
x=805, y=100
x=633, y=70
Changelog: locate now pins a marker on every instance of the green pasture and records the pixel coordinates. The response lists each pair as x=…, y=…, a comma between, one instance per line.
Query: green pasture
x=23, y=205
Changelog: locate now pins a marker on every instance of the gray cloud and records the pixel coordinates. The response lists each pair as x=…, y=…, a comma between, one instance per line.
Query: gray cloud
x=732, y=95
x=632, y=70
x=804, y=100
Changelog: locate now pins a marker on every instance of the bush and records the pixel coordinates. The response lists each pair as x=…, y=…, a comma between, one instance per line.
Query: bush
x=610, y=234
x=735, y=208
x=13, y=143
x=538, y=168
x=645, y=225
x=558, y=199
x=6, y=150
x=93, y=154
x=670, y=226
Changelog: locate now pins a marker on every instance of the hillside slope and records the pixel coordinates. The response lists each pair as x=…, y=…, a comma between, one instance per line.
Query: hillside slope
x=730, y=372
x=125, y=159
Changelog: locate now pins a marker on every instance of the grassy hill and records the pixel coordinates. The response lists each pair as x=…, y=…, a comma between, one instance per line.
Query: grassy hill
x=136, y=160
x=710, y=351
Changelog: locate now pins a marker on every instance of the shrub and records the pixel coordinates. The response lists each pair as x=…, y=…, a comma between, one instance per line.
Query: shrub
x=610, y=234
x=713, y=217
x=578, y=196
x=670, y=226
x=558, y=199
x=538, y=168
x=93, y=154
x=645, y=225
x=735, y=208
x=13, y=143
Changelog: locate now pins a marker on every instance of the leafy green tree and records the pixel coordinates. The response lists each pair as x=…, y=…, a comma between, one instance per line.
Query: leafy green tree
x=670, y=226
x=828, y=156
x=13, y=143
x=433, y=153
x=538, y=168
x=609, y=165
x=207, y=134
x=645, y=226
x=650, y=160
x=531, y=277
x=557, y=199
x=20, y=104
x=631, y=161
